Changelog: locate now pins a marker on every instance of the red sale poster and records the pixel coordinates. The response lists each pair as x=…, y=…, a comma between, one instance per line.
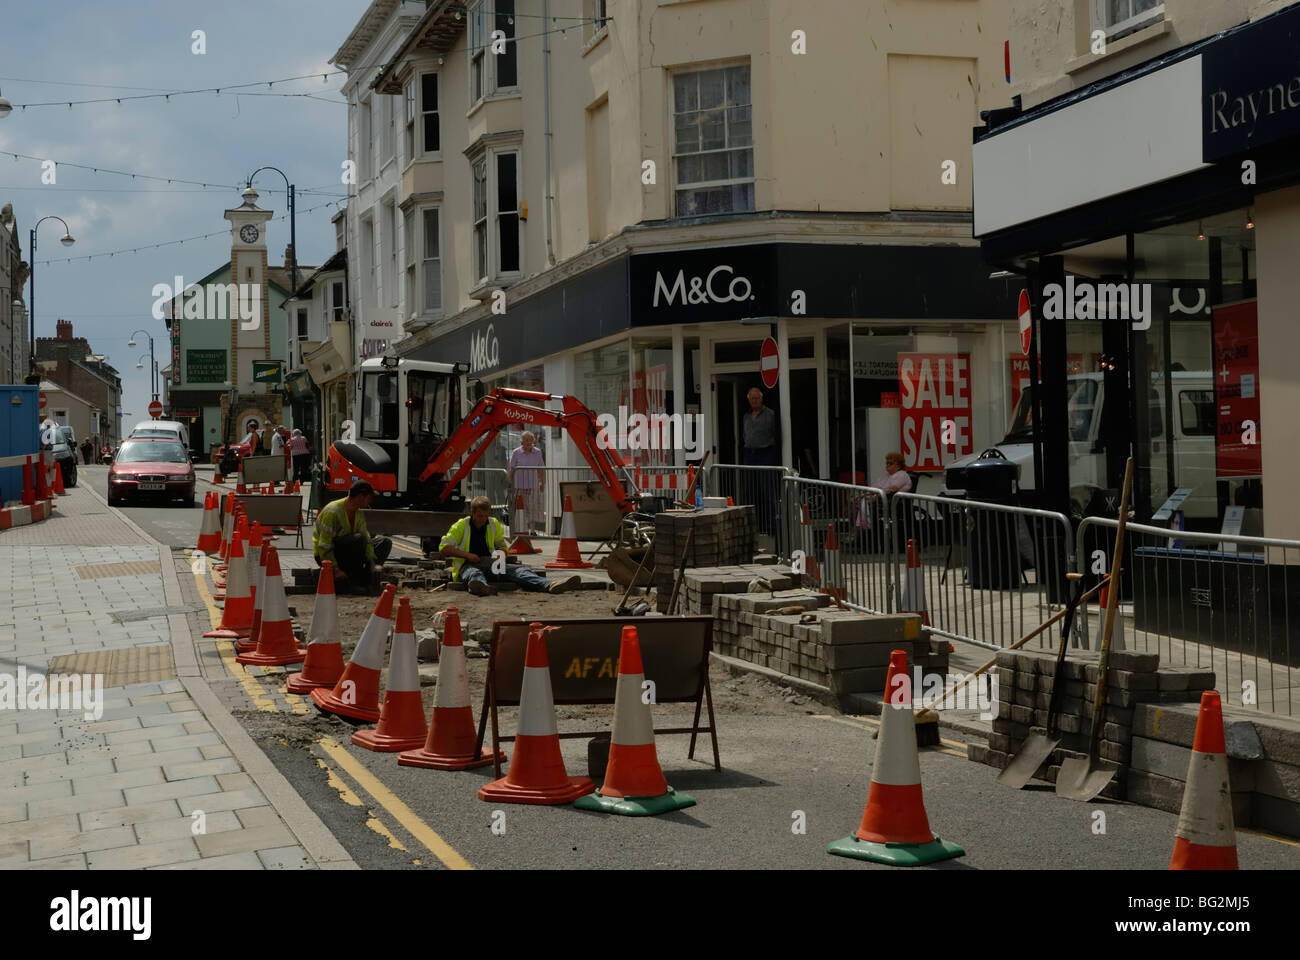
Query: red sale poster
x=935, y=414
x=1236, y=391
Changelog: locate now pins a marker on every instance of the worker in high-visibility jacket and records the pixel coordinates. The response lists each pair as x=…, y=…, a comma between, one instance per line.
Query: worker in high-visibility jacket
x=472, y=541
x=341, y=537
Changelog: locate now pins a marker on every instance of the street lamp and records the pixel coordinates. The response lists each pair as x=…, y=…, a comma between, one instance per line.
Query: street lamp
x=14, y=309
x=5, y=108
x=293, y=225
x=140, y=365
x=67, y=241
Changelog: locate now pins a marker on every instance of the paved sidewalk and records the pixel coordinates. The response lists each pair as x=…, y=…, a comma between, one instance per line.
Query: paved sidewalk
x=163, y=777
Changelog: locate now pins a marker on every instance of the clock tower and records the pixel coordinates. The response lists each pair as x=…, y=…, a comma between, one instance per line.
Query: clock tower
x=250, y=337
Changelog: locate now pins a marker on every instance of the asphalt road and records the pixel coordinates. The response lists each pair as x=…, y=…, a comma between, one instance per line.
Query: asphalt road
x=172, y=523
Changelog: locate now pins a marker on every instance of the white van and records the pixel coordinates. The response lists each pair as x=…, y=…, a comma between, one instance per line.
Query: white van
x=161, y=430
x=1194, y=425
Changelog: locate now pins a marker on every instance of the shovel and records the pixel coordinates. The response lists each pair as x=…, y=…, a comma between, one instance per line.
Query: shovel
x=1038, y=747
x=622, y=610
x=1084, y=779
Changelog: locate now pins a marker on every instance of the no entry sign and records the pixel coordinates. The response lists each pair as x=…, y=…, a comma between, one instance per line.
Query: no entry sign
x=936, y=408
x=769, y=363
x=155, y=409
x=42, y=399
x=1024, y=316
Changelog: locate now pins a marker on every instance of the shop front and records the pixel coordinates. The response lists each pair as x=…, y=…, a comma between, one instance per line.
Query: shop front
x=1154, y=229
x=679, y=336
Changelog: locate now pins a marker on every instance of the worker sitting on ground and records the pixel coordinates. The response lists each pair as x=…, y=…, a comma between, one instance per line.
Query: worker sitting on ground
x=341, y=538
x=470, y=543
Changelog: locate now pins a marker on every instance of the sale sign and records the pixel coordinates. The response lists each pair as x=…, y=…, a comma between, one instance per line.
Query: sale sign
x=935, y=414
x=1236, y=391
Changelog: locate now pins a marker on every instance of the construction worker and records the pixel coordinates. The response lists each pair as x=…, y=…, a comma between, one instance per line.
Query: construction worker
x=340, y=536
x=471, y=542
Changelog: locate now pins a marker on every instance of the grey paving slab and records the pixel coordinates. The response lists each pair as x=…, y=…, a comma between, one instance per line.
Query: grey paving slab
x=233, y=861
x=155, y=831
x=144, y=855
x=44, y=848
x=125, y=816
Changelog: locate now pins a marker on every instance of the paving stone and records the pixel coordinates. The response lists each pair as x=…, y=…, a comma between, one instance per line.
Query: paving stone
x=202, y=768
x=73, y=861
x=44, y=848
x=213, y=751
x=171, y=790
x=38, y=792
x=233, y=861
x=125, y=816
x=284, y=858
x=144, y=855
x=156, y=831
x=235, y=781
x=80, y=803
x=187, y=717
x=46, y=826
x=238, y=841
x=226, y=800
x=145, y=733
x=88, y=768
x=185, y=740
x=158, y=759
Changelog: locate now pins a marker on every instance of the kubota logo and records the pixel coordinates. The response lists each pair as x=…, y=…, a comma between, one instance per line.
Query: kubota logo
x=703, y=289
x=512, y=414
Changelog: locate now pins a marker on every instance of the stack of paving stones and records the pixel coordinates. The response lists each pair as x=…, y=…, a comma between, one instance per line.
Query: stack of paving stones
x=699, y=586
x=844, y=651
x=1025, y=680
x=723, y=536
x=408, y=572
x=1263, y=762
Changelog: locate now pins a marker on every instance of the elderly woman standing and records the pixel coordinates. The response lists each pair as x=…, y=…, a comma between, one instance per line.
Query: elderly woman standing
x=301, y=455
x=530, y=483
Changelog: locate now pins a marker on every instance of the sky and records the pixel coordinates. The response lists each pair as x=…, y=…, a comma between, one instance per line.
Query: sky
x=90, y=50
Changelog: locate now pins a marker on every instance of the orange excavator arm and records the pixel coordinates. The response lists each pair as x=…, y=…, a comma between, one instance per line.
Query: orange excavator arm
x=505, y=407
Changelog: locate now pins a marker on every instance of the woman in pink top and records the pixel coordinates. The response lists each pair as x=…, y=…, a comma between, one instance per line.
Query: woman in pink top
x=301, y=455
x=528, y=483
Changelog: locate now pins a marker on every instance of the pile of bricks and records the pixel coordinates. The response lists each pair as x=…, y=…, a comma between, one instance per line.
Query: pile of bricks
x=701, y=585
x=1025, y=682
x=844, y=651
x=723, y=536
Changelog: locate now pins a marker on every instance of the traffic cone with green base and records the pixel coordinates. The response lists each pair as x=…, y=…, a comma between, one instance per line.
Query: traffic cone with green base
x=895, y=829
x=634, y=782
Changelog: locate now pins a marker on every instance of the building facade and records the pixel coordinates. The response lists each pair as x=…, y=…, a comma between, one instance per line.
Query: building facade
x=1146, y=183
x=68, y=361
x=13, y=311
x=625, y=206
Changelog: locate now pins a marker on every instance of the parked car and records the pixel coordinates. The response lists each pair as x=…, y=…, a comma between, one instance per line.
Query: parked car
x=162, y=430
x=144, y=468
x=62, y=442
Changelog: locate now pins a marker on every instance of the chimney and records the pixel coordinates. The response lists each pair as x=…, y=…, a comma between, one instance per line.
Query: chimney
x=64, y=330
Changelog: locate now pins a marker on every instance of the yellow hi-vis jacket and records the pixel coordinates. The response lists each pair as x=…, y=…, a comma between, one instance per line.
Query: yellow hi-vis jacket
x=332, y=522
x=458, y=536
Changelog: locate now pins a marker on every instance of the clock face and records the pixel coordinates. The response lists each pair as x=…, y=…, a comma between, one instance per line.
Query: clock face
x=248, y=233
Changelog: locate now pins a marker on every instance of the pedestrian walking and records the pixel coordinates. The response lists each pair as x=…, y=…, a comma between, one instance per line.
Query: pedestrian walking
x=267, y=432
x=87, y=448
x=526, y=481
x=300, y=453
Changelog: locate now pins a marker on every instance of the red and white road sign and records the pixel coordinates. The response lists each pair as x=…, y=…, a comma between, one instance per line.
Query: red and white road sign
x=1026, y=328
x=42, y=398
x=155, y=409
x=769, y=364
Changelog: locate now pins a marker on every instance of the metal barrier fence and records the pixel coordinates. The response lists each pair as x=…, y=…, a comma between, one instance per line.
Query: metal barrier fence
x=489, y=482
x=858, y=560
x=1207, y=600
x=756, y=486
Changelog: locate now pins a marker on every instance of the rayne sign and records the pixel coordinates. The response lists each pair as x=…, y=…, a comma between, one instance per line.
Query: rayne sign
x=1250, y=86
x=935, y=418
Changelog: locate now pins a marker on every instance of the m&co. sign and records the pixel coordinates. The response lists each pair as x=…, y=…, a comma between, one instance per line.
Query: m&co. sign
x=935, y=414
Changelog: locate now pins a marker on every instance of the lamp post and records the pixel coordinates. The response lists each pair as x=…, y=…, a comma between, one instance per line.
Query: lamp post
x=67, y=240
x=293, y=225
x=140, y=365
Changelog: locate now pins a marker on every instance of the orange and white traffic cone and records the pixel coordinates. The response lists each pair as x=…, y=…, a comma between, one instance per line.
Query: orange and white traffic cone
x=57, y=473
x=257, y=557
x=241, y=487
x=237, y=615
x=209, y=533
x=276, y=643
x=1204, y=839
x=324, y=663
x=43, y=480
x=401, y=721
x=217, y=477
x=537, y=773
x=29, y=484
x=568, y=557
x=227, y=527
x=356, y=695
x=913, y=599
x=452, y=743
x=831, y=568
x=634, y=782
x=894, y=828
x=521, y=544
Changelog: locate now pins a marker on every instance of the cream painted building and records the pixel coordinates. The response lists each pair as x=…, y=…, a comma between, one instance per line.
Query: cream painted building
x=1159, y=144
x=623, y=206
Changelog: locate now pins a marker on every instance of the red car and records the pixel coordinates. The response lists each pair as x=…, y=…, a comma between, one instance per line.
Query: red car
x=151, y=468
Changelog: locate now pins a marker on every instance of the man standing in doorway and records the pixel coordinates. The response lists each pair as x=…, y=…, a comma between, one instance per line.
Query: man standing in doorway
x=760, y=433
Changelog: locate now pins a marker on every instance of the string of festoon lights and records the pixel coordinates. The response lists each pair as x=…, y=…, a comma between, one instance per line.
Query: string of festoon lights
x=145, y=247
x=167, y=95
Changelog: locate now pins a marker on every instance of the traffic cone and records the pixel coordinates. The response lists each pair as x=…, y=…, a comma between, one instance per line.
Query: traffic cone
x=1204, y=839
x=59, y=491
x=831, y=546
x=895, y=829
x=29, y=484
x=276, y=643
x=42, y=479
x=216, y=476
x=913, y=599
x=209, y=533
x=227, y=527
x=452, y=739
x=237, y=615
x=257, y=557
x=241, y=487
x=356, y=695
x=634, y=782
x=521, y=544
x=730, y=502
x=401, y=721
x=568, y=557
x=324, y=663
x=537, y=773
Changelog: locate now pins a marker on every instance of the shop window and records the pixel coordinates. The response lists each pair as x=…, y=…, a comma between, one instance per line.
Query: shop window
x=713, y=143
x=1121, y=17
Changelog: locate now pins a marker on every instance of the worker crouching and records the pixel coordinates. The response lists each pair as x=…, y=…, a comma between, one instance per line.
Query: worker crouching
x=470, y=543
x=341, y=537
